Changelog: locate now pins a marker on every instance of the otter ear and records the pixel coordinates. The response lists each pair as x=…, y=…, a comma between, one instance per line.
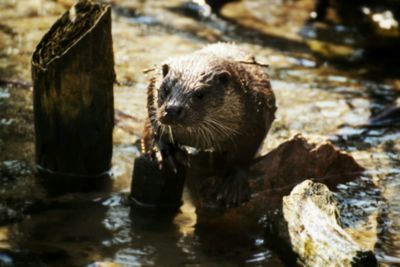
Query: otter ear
x=222, y=77
x=165, y=69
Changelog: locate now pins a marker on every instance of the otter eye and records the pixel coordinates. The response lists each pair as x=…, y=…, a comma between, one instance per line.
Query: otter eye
x=223, y=77
x=199, y=95
x=166, y=90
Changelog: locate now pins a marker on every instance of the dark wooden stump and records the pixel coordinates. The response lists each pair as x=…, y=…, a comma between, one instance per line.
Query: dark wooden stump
x=155, y=188
x=73, y=76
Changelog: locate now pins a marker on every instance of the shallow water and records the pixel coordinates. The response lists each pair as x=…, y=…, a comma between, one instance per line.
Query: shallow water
x=326, y=88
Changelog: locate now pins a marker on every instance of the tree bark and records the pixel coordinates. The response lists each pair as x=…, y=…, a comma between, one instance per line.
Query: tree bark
x=73, y=76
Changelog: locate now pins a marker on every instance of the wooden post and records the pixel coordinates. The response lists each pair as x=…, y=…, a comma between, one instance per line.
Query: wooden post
x=73, y=76
x=153, y=188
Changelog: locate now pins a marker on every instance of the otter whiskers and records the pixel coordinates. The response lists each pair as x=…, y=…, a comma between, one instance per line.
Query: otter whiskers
x=220, y=131
x=171, y=136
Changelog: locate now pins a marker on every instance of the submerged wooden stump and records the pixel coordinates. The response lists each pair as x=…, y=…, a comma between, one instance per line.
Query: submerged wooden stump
x=73, y=76
x=156, y=188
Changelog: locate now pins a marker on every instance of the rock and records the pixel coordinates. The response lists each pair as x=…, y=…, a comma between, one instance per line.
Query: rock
x=308, y=225
x=303, y=227
x=298, y=159
x=287, y=165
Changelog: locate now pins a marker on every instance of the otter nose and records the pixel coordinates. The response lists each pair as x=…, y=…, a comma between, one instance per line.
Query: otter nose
x=174, y=110
x=173, y=113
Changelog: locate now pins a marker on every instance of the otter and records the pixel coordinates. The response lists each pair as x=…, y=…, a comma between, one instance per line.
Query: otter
x=217, y=100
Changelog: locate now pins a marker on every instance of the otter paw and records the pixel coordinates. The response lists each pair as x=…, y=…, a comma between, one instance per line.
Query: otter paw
x=172, y=155
x=234, y=189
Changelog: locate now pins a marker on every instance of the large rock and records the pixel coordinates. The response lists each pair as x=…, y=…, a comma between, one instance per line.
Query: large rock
x=303, y=226
x=298, y=159
x=308, y=225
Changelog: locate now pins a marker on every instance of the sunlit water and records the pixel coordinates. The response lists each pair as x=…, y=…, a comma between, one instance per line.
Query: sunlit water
x=314, y=97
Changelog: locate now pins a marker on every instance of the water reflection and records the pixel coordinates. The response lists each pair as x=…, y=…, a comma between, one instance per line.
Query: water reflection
x=62, y=235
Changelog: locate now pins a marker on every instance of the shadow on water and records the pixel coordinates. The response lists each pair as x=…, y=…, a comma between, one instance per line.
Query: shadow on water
x=370, y=28
x=362, y=47
x=63, y=233
x=59, y=184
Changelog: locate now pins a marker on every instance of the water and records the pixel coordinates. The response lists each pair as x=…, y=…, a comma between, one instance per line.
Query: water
x=325, y=87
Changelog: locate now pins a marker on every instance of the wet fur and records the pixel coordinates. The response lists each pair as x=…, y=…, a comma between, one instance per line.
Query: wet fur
x=234, y=118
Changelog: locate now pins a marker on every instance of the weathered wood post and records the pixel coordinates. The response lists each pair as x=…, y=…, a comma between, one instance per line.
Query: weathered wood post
x=73, y=76
x=155, y=188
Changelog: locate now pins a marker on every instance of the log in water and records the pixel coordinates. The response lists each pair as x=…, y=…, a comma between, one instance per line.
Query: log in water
x=73, y=76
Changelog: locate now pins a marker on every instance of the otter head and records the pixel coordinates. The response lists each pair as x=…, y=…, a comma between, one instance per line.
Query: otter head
x=198, y=97
x=187, y=100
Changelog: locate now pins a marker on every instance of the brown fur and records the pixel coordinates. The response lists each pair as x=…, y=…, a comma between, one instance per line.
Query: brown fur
x=227, y=102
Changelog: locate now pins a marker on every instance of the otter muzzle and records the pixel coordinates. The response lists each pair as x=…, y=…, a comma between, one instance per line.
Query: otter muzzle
x=173, y=114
